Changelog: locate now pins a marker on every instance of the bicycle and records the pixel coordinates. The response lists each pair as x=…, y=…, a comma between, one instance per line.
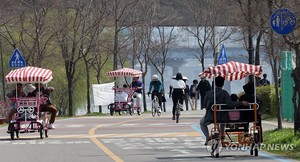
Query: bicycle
x=156, y=109
x=177, y=111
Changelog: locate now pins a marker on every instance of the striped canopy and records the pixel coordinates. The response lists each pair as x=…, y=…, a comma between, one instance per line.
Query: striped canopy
x=125, y=72
x=29, y=74
x=232, y=71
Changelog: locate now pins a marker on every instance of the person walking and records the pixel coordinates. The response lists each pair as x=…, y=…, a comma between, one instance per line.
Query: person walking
x=186, y=97
x=194, y=94
x=264, y=81
x=202, y=88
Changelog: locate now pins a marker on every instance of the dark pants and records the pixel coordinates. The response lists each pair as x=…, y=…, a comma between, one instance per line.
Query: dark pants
x=177, y=95
x=159, y=96
x=202, y=101
x=259, y=124
x=49, y=108
x=186, y=101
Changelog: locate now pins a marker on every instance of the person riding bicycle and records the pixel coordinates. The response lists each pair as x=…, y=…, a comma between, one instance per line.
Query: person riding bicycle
x=157, y=87
x=177, y=87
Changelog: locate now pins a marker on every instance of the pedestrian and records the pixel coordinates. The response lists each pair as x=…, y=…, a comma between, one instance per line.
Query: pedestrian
x=264, y=81
x=194, y=94
x=202, y=88
x=186, y=97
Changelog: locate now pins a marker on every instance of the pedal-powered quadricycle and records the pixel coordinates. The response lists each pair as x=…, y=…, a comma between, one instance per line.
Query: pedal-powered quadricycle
x=28, y=117
x=231, y=119
x=124, y=96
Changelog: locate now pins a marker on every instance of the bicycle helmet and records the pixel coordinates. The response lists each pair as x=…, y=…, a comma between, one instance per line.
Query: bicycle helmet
x=154, y=77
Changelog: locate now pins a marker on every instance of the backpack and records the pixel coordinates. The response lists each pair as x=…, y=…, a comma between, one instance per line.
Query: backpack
x=234, y=115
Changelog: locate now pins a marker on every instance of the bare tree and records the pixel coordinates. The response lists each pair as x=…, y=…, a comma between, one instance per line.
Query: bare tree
x=162, y=45
x=69, y=38
x=33, y=22
x=293, y=41
x=92, y=25
x=205, y=29
x=119, y=11
x=141, y=34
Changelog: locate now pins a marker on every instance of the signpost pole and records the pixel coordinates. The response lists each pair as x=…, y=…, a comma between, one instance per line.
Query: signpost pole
x=2, y=71
x=283, y=21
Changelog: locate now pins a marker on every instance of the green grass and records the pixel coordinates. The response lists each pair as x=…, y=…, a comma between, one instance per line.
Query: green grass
x=276, y=139
x=96, y=114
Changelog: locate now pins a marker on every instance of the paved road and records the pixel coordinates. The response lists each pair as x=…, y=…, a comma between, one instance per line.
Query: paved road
x=122, y=138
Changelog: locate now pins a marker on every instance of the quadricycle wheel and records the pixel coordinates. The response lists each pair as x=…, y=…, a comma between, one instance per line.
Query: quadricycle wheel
x=128, y=109
x=111, y=108
x=13, y=129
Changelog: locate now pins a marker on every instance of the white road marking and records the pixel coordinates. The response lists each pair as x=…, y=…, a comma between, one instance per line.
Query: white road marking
x=50, y=142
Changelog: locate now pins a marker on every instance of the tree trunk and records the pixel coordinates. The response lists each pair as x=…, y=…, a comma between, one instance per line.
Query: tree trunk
x=70, y=92
x=296, y=101
x=88, y=90
x=100, y=109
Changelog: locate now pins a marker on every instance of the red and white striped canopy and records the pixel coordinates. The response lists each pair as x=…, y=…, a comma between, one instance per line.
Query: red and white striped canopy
x=232, y=71
x=125, y=72
x=29, y=74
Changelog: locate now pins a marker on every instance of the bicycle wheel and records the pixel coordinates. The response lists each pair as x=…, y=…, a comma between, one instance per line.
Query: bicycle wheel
x=111, y=108
x=177, y=113
x=153, y=109
x=158, y=111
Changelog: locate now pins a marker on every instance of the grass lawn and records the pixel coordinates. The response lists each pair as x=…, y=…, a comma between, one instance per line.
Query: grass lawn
x=282, y=142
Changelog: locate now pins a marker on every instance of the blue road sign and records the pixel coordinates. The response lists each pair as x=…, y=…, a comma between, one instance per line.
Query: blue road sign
x=17, y=60
x=283, y=21
x=222, y=57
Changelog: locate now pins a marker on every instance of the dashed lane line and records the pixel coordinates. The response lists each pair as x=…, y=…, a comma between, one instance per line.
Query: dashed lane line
x=120, y=135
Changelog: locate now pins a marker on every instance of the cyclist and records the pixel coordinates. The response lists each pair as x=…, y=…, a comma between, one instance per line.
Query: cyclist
x=157, y=89
x=177, y=87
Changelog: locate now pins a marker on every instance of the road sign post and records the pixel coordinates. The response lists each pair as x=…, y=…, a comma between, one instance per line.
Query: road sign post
x=283, y=21
x=17, y=60
x=222, y=57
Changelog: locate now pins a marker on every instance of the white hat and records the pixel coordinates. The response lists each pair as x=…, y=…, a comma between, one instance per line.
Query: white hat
x=51, y=88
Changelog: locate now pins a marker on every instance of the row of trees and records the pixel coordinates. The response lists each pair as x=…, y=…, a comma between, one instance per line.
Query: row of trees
x=81, y=40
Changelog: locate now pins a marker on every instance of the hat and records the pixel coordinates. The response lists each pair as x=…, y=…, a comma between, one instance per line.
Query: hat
x=249, y=88
x=29, y=88
x=51, y=88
